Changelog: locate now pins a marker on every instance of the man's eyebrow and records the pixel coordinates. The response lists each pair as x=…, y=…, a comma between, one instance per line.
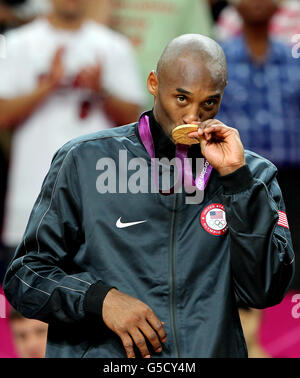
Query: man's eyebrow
x=184, y=91
x=214, y=96
x=181, y=90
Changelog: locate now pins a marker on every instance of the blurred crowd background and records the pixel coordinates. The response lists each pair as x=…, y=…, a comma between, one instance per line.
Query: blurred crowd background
x=70, y=67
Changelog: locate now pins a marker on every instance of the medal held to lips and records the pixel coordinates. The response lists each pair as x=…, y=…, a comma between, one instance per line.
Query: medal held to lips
x=180, y=134
x=183, y=142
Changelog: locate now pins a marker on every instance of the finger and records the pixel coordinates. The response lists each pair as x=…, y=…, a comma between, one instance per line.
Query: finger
x=201, y=134
x=58, y=54
x=96, y=69
x=140, y=342
x=211, y=121
x=207, y=123
x=81, y=80
x=85, y=74
x=85, y=79
x=215, y=132
x=157, y=325
x=89, y=77
x=90, y=72
x=218, y=129
x=93, y=76
x=152, y=336
x=128, y=345
x=207, y=137
x=195, y=134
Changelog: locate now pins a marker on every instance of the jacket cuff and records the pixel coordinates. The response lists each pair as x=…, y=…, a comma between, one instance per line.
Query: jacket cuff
x=237, y=181
x=94, y=298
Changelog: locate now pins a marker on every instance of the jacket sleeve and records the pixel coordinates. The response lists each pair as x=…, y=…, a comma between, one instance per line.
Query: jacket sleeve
x=37, y=282
x=262, y=257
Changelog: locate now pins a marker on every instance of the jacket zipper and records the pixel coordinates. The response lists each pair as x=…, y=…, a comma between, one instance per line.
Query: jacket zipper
x=172, y=278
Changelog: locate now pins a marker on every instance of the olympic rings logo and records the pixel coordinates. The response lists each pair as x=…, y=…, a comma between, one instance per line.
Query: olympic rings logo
x=219, y=223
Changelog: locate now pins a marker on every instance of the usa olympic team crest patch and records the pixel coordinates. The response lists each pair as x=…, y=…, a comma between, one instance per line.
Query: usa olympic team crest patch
x=213, y=219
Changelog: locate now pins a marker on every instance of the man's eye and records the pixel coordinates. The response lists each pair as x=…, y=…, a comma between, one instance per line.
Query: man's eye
x=181, y=98
x=210, y=102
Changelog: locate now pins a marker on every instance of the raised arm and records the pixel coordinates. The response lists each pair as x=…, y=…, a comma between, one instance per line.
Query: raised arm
x=15, y=109
x=260, y=242
x=262, y=256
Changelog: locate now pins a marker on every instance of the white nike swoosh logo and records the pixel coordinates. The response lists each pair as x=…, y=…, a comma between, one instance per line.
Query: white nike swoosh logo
x=120, y=224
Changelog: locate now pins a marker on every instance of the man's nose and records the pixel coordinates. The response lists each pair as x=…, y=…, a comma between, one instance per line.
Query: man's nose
x=192, y=117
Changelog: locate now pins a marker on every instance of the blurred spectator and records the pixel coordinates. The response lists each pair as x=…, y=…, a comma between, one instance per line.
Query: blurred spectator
x=6, y=254
x=29, y=335
x=17, y=12
x=100, y=11
x=7, y=349
x=12, y=14
x=64, y=76
x=3, y=173
x=284, y=24
x=262, y=100
x=216, y=7
x=280, y=328
x=274, y=331
x=251, y=320
x=150, y=25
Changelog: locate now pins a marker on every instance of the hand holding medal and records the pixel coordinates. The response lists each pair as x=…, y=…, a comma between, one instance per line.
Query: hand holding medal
x=220, y=145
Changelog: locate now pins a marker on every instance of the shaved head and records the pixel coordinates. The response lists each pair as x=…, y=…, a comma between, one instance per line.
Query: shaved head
x=189, y=82
x=195, y=48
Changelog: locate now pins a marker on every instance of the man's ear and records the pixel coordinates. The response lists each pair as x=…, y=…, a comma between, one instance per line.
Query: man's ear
x=152, y=83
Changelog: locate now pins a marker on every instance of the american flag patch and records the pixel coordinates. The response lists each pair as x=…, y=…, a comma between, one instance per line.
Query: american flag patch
x=218, y=214
x=282, y=221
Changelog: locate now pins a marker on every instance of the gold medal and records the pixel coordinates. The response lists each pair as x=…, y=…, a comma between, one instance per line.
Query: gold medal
x=180, y=134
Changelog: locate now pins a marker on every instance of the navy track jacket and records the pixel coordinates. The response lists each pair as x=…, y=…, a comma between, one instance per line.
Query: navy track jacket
x=174, y=261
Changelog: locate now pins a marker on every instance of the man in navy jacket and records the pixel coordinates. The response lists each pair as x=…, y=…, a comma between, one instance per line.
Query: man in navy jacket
x=121, y=273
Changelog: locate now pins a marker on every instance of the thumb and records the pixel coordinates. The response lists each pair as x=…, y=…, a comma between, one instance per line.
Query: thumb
x=203, y=144
x=197, y=135
x=58, y=54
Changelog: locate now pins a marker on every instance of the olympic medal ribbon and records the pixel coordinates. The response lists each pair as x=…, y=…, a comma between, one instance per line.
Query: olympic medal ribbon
x=202, y=177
